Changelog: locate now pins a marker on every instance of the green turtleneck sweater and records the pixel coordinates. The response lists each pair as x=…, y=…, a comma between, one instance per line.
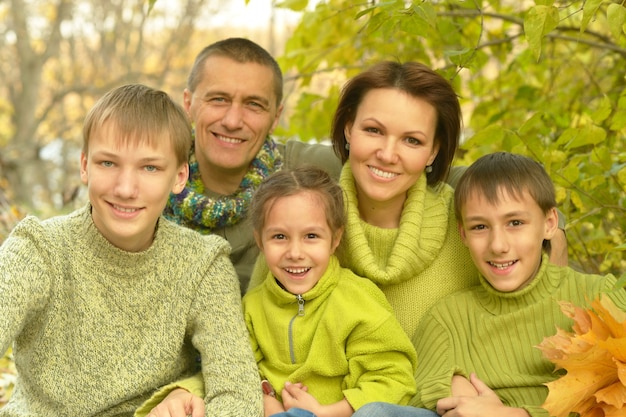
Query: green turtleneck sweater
x=98, y=329
x=416, y=264
x=495, y=335
x=336, y=347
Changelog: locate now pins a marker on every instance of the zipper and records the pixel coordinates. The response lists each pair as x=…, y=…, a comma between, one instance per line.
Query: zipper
x=300, y=313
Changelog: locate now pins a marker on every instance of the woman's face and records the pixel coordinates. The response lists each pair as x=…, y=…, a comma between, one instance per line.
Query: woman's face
x=392, y=140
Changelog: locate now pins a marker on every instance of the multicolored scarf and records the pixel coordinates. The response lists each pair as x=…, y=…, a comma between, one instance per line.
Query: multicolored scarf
x=195, y=210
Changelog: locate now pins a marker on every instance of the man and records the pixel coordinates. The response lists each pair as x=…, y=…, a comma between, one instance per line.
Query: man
x=234, y=98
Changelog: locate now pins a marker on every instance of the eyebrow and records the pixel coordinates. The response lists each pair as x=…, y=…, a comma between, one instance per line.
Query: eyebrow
x=512, y=214
x=253, y=97
x=108, y=154
x=409, y=132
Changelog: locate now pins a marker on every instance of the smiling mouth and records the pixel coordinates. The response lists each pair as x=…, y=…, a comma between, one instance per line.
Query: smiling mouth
x=124, y=209
x=381, y=173
x=228, y=139
x=297, y=271
x=501, y=265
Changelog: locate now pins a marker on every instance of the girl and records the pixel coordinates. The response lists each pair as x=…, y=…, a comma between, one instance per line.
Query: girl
x=312, y=322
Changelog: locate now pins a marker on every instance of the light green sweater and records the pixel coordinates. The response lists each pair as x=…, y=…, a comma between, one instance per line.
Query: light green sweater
x=495, y=335
x=340, y=339
x=416, y=264
x=98, y=329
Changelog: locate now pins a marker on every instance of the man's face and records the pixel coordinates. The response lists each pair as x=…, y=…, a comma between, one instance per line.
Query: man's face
x=234, y=109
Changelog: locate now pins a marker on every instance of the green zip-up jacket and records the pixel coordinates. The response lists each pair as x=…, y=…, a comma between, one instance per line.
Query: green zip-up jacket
x=340, y=339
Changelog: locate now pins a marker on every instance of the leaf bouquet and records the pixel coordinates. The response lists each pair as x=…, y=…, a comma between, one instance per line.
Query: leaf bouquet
x=594, y=356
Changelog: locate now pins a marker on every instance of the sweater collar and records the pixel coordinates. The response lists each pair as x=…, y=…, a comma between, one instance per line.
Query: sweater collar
x=419, y=239
x=318, y=293
x=545, y=282
x=104, y=249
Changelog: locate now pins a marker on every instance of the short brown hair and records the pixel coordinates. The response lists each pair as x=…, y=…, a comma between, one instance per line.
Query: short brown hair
x=140, y=114
x=498, y=171
x=240, y=50
x=417, y=80
x=289, y=182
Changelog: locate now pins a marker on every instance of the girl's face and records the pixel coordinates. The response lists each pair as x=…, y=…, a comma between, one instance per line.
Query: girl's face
x=297, y=241
x=392, y=140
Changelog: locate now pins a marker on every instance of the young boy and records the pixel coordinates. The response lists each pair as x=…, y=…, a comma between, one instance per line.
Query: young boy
x=476, y=349
x=112, y=301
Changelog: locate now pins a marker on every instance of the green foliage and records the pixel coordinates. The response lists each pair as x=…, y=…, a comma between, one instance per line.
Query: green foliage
x=543, y=79
x=7, y=377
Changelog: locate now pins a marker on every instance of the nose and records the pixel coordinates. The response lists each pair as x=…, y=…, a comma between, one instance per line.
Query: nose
x=126, y=184
x=233, y=117
x=295, y=250
x=387, y=152
x=499, y=241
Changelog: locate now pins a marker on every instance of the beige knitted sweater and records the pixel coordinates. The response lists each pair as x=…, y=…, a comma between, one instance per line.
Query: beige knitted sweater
x=98, y=329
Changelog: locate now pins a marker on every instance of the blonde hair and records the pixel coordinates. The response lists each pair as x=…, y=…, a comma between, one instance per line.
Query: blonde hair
x=141, y=114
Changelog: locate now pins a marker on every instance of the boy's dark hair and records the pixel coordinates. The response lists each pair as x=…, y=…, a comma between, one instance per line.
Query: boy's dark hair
x=141, y=114
x=285, y=183
x=515, y=173
x=240, y=50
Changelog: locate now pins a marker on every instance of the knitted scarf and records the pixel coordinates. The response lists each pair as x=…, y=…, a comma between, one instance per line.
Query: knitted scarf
x=193, y=209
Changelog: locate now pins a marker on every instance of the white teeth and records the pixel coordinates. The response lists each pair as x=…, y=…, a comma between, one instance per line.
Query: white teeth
x=125, y=210
x=502, y=266
x=297, y=270
x=229, y=140
x=383, y=174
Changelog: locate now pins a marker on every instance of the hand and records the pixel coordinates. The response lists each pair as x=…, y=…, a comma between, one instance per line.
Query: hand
x=179, y=403
x=296, y=395
x=486, y=404
x=271, y=405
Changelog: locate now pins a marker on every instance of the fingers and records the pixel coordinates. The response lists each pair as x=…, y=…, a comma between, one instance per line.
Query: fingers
x=294, y=390
x=197, y=407
x=445, y=404
x=480, y=386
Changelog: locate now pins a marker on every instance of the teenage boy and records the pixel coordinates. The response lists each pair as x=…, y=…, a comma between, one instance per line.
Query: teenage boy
x=109, y=302
x=476, y=349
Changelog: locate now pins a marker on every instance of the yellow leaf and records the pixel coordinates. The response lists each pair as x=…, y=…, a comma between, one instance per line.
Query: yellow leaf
x=614, y=394
x=594, y=357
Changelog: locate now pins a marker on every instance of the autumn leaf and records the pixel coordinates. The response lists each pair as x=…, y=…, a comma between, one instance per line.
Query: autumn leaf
x=594, y=356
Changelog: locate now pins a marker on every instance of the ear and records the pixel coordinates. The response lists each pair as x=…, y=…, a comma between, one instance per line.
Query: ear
x=257, y=239
x=181, y=178
x=347, y=131
x=279, y=111
x=551, y=223
x=336, y=239
x=462, y=233
x=434, y=153
x=187, y=96
x=84, y=175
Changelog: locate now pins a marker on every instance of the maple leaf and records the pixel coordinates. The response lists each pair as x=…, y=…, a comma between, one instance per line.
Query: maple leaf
x=594, y=356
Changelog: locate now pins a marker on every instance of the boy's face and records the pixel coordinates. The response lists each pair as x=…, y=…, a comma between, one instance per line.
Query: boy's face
x=505, y=239
x=297, y=241
x=129, y=184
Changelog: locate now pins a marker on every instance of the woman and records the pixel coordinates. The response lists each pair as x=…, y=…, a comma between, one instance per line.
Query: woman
x=397, y=126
